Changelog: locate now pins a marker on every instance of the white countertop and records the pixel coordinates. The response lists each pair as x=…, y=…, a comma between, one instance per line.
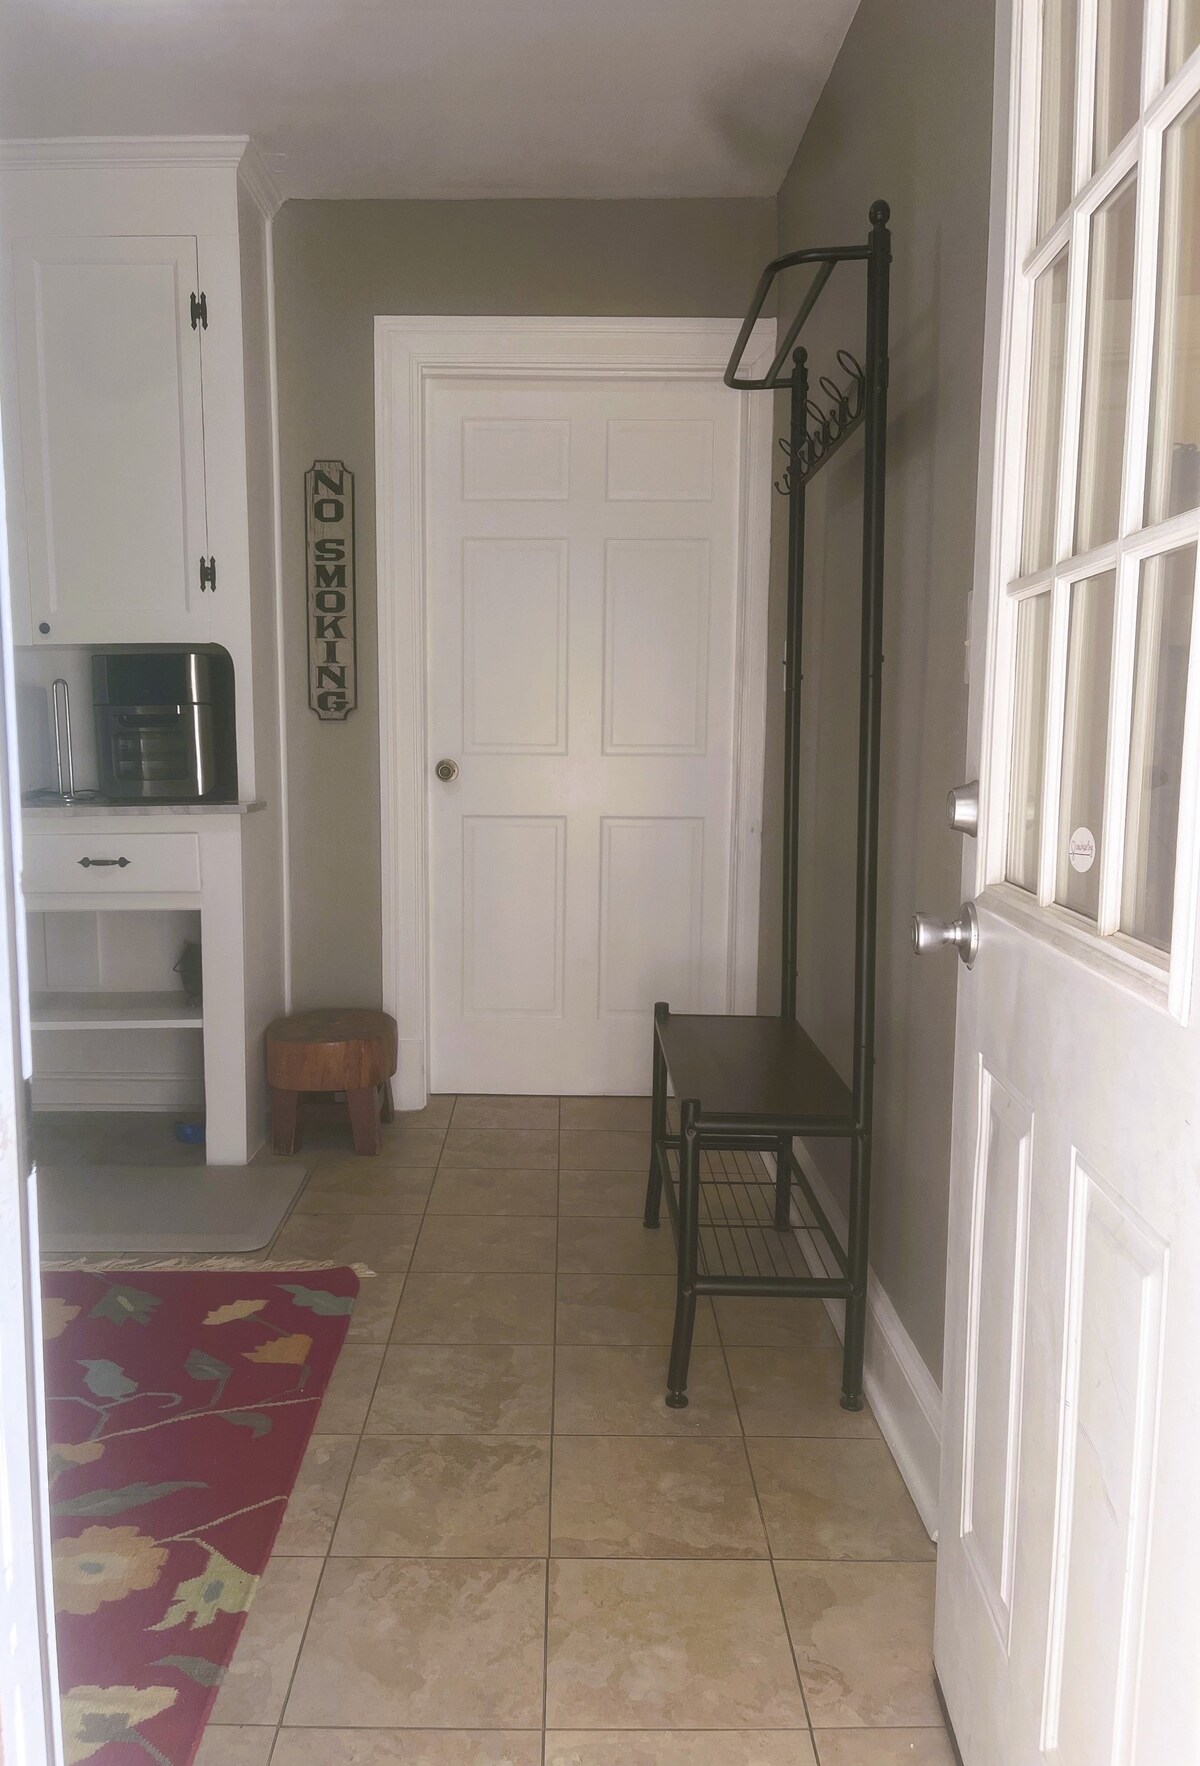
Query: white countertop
x=74, y=811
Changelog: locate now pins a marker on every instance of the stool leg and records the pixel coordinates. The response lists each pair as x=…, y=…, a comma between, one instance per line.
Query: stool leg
x=689, y=1235
x=389, y=1107
x=285, y=1113
x=364, y=1119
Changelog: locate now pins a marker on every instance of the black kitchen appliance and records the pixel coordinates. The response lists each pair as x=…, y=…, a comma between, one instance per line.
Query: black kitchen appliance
x=165, y=726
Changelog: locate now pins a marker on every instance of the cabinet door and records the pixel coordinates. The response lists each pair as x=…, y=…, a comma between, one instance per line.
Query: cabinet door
x=112, y=439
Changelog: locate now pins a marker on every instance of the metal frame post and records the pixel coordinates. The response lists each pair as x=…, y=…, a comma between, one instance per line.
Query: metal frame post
x=867, y=882
x=658, y=1123
x=793, y=676
x=783, y=1182
x=689, y=1235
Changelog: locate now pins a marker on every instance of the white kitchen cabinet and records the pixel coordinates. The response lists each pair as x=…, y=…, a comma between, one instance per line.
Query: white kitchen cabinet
x=137, y=444
x=138, y=423
x=108, y=336
x=82, y=867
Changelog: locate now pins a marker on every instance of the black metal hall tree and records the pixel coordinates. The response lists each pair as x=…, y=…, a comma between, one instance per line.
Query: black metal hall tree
x=750, y=1085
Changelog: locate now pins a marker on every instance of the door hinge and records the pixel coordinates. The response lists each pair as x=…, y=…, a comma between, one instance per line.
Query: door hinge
x=208, y=575
x=199, y=311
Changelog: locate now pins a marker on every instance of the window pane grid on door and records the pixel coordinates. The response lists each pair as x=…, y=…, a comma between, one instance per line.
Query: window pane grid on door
x=1165, y=601
x=1085, y=744
x=1026, y=777
x=1109, y=391
x=1118, y=94
x=1116, y=764
x=1183, y=33
x=1060, y=36
x=1105, y=392
x=1173, y=465
x=1043, y=440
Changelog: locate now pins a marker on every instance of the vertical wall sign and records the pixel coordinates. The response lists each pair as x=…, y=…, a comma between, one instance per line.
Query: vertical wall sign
x=329, y=536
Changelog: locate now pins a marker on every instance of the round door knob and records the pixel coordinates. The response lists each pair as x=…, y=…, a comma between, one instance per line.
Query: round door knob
x=930, y=933
x=446, y=770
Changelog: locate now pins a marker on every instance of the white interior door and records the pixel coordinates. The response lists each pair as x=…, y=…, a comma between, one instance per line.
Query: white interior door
x=111, y=438
x=1068, y=1621
x=582, y=594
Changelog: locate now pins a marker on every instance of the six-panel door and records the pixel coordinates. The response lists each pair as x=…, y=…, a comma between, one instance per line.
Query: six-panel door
x=582, y=595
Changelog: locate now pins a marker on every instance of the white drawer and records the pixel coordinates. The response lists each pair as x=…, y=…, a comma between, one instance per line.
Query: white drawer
x=116, y=864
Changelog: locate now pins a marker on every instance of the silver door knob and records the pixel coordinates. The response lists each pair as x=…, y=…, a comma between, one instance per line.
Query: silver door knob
x=962, y=807
x=930, y=933
x=446, y=770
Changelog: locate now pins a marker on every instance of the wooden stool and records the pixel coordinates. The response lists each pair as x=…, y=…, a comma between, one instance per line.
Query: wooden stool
x=337, y=1049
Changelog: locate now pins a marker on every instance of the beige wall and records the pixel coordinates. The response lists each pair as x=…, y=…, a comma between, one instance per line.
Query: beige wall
x=337, y=265
x=906, y=115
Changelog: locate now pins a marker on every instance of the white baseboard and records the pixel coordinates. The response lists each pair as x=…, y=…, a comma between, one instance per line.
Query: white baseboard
x=118, y=1091
x=899, y=1387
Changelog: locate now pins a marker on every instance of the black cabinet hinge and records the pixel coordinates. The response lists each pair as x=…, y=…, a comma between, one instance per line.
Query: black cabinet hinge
x=208, y=575
x=199, y=311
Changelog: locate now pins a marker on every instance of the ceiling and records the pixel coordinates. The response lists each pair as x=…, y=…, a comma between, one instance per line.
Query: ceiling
x=440, y=98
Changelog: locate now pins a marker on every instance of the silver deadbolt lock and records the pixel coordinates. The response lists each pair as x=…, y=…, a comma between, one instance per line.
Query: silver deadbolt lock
x=930, y=933
x=446, y=770
x=962, y=807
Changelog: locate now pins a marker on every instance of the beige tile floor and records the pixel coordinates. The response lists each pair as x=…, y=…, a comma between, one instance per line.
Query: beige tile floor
x=504, y=1549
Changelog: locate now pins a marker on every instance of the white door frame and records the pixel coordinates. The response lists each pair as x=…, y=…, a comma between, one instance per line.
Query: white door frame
x=409, y=354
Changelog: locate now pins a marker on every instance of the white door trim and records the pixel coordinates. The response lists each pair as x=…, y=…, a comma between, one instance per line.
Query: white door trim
x=409, y=353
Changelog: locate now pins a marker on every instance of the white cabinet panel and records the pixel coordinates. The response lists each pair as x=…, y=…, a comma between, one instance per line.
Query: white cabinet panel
x=112, y=438
x=110, y=864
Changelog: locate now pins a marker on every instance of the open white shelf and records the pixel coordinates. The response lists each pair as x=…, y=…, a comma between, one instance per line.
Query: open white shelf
x=114, y=1011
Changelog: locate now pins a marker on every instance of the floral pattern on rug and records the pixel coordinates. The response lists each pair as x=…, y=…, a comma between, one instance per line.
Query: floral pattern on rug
x=179, y=1406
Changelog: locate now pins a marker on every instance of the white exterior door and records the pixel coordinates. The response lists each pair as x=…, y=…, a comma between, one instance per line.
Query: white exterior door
x=583, y=612
x=1068, y=1621
x=111, y=439
x=30, y=1723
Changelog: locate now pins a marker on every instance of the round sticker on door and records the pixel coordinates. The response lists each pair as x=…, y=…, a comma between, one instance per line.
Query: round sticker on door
x=1082, y=850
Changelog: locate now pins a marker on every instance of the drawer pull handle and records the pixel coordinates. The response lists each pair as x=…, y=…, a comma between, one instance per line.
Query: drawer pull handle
x=122, y=862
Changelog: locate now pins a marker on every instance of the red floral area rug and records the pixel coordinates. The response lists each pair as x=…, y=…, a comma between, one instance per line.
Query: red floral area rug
x=179, y=1406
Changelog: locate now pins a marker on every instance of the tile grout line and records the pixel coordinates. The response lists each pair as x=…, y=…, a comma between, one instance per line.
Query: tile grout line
x=550, y=1481
x=767, y=1536
x=279, y=1724
x=606, y=1275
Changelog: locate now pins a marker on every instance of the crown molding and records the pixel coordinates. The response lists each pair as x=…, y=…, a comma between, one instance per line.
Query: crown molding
x=211, y=151
x=260, y=186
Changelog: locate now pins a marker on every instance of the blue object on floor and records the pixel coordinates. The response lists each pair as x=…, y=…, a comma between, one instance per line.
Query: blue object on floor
x=190, y=1133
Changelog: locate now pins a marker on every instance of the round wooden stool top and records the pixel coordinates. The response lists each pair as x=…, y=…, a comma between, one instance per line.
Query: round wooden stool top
x=335, y=1049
